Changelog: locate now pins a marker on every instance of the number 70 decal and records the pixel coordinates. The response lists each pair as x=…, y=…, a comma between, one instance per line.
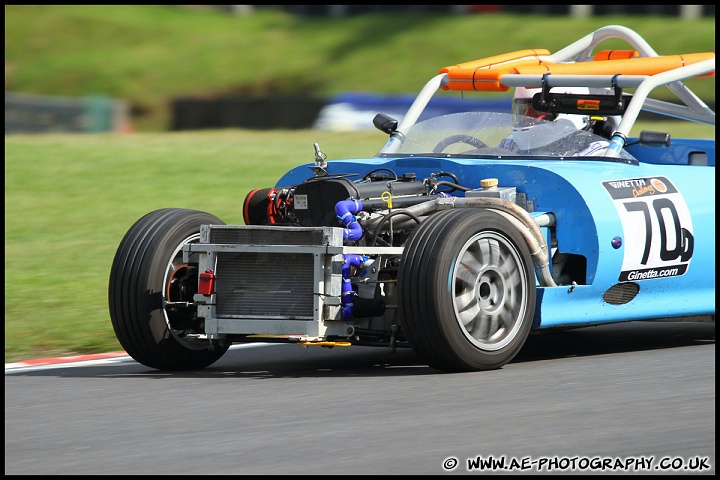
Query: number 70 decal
x=657, y=229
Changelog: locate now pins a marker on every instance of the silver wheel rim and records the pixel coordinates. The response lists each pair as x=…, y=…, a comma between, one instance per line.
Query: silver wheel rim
x=488, y=290
x=174, y=267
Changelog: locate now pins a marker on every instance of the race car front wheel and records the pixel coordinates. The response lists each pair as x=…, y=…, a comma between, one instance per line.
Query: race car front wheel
x=466, y=290
x=151, y=291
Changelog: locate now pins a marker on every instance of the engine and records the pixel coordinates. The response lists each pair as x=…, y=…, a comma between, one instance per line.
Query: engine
x=336, y=201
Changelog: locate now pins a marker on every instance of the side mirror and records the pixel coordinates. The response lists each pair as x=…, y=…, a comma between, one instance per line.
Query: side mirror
x=385, y=123
x=654, y=139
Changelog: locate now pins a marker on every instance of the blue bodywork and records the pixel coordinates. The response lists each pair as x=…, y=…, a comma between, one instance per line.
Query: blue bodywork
x=589, y=224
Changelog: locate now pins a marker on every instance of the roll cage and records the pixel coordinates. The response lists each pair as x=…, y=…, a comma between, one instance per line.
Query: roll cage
x=576, y=66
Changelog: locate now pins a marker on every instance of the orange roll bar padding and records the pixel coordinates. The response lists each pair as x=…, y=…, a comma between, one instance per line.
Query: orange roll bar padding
x=615, y=54
x=487, y=79
x=463, y=72
x=498, y=59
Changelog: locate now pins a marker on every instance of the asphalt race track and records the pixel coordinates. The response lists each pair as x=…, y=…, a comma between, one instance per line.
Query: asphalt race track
x=633, y=398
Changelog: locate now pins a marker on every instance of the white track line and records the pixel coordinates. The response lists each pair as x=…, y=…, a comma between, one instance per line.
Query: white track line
x=88, y=360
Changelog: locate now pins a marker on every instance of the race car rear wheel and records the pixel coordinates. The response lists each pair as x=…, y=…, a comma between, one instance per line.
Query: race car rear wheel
x=466, y=290
x=150, y=288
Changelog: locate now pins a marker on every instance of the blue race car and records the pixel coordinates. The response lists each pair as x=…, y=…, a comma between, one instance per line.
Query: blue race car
x=466, y=233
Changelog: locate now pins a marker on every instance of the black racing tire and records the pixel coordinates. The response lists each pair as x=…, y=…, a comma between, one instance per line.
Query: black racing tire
x=466, y=290
x=460, y=138
x=146, y=273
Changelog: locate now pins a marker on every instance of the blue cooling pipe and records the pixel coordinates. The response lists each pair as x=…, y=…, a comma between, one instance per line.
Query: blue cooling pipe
x=348, y=294
x=345, y=211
